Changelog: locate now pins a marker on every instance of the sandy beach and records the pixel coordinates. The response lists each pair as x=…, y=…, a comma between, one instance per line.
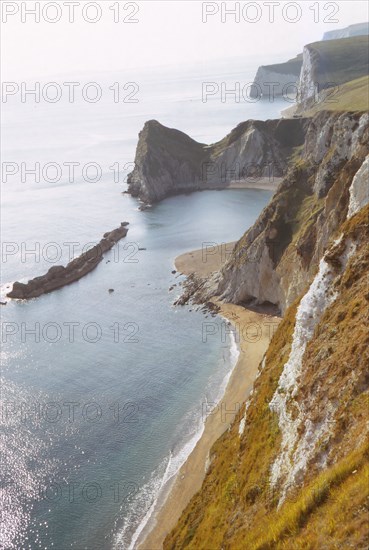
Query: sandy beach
x=268, y=184
x=204, y=261
x=254, y=332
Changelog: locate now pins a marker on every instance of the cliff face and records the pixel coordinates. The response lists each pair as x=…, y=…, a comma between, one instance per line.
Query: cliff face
x=353, y=30
x=292, y=470
x=281, y=252
x=308, y=86
x=329, y=65
x=277, y=80
x=169, y=162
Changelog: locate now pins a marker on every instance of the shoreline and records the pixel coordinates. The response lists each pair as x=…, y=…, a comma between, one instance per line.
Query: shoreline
x=265, y=183
x=256, y=183
x=238, y=385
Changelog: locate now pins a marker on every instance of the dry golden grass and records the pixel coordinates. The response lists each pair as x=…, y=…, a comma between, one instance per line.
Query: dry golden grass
x=236, y=509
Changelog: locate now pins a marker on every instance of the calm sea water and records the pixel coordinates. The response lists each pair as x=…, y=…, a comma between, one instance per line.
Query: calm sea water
x=103, y=393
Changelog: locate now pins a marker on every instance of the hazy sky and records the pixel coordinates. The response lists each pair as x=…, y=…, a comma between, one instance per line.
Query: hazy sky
x=167, y=32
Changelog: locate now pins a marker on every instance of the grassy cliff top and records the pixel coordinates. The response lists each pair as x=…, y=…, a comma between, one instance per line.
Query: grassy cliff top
x=340, y=61
x=292, y=66
x=351, y=96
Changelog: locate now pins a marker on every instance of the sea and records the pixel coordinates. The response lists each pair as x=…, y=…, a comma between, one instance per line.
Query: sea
x=105, y=384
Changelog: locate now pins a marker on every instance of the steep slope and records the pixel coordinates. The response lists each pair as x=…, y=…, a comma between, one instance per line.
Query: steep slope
x=320, y=66
x=331, y=64
x=278, y=79
x=274, y=260
x=292, y=471
x=169, y=162
x=166, y=160
x=351, y=96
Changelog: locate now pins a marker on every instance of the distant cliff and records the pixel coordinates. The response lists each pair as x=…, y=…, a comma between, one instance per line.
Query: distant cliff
x=321, y=66
x=353, y=30
x=277, y=80
x=169, y=162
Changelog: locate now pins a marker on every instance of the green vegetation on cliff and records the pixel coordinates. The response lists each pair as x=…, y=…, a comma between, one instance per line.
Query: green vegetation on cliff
x=292, y=66
x=351, y=96
x=338, y=61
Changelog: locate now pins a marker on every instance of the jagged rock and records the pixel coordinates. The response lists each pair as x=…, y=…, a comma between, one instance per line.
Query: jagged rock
x=55, y=272
x=282, y=250
x=275, y=258
x=59, y=276
x=18, y=291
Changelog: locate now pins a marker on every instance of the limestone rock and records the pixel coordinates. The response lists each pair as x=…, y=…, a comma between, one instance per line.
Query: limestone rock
x=169, y=162
x=275, y=258
x=59, y=276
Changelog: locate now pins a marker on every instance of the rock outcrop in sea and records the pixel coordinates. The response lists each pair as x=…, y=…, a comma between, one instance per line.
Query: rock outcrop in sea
x=59, y=276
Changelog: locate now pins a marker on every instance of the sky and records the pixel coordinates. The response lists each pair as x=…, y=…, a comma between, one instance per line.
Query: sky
x=156, y=33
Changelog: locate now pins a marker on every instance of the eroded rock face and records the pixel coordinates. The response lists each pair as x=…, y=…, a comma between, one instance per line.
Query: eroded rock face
x=167, y=162
x=359, y=190
x=274, y=260
x=276, y=80
x=59, y=276
x=270, y=83
x=313, y=382
x=326, y=66
x=170, y=162
x=352, y=30
x=307, y=86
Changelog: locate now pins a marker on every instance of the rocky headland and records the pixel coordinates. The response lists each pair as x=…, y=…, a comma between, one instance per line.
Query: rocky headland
x=169, y=162
x=332, y=74
x=277, y=80
x=282, y=251
x=60, y=276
